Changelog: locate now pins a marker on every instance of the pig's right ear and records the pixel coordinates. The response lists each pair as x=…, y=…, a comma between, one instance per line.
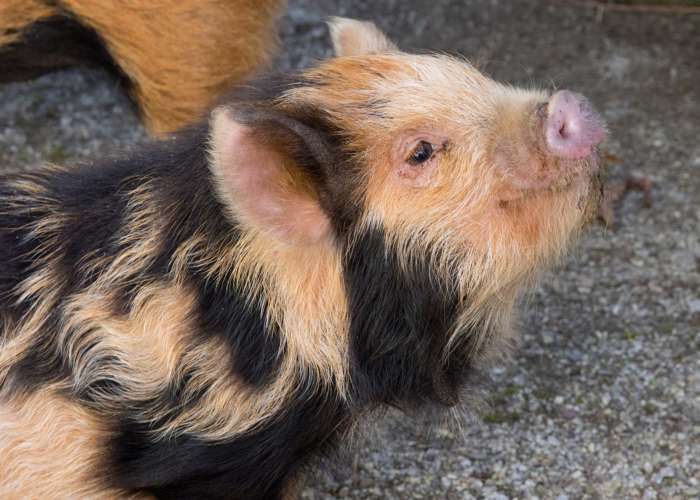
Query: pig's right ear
x=254, y=157
x=356, y=38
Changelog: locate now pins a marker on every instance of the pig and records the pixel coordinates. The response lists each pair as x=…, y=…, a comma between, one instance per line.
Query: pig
x=175, y=56
x=205, y=316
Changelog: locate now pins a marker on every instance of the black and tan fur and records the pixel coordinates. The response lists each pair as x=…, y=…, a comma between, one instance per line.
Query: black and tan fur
x=199, y=343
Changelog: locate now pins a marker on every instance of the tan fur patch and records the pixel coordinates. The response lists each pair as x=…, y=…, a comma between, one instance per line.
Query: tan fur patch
x=142, y=351
x=306, y=296
x=147, y=351
x=16, y=15
x=152, y=348
x=141, y=236
x=51, y=448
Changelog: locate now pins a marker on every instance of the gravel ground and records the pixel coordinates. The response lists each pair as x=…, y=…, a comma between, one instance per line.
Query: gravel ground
x=602, y=399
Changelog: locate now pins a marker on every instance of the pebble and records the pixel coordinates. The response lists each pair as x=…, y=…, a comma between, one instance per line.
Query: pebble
x=694, y=306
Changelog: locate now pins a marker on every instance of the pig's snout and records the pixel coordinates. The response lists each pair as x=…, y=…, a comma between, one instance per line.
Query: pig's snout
x=572, y=126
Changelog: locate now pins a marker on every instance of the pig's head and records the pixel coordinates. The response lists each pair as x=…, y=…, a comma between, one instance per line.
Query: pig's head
x=459, y=187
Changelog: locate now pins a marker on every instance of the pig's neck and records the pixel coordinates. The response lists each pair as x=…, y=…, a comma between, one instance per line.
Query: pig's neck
x=400, y=325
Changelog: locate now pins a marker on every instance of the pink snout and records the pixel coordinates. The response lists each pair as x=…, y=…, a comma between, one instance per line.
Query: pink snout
x=572, y=128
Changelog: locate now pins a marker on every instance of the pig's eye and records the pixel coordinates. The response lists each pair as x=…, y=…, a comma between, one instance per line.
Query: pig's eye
x=421, y=153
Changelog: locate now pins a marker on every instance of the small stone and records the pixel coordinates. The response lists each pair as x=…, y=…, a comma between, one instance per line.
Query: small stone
x=694, y=306
x=649, y=494
x=568, y=413
x=663, y=474
x=497, y=496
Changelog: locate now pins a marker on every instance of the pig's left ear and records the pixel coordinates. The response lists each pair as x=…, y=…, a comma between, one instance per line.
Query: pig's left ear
x=356, y=38
x=263, y=164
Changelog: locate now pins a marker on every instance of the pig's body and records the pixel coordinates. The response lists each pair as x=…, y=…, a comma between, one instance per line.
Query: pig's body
x=203, y=318
x=117, y=367
x=175, y=56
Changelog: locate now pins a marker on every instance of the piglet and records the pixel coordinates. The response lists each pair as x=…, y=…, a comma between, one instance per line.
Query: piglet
x=203, y=317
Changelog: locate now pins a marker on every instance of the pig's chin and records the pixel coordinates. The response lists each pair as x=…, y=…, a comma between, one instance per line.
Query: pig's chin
x=575, y=178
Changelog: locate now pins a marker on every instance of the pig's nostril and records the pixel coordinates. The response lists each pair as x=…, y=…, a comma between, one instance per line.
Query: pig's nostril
x=572, y=127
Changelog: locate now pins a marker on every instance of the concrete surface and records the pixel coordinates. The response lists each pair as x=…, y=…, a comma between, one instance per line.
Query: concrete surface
x=602, y=400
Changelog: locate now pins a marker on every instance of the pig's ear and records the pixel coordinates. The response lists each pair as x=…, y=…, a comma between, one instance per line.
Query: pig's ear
x=355, y=38
x=262, y=163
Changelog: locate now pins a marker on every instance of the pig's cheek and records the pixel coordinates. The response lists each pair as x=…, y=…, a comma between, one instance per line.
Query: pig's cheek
x=417, y=176
x=525, y=172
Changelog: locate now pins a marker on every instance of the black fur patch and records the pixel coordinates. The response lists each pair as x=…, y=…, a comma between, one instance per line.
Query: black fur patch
x=94, y=201
x=399, y=323
x=18, y=249
x=42, y=363
x=256, y=465
x=262, y=89
x=256, y=347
